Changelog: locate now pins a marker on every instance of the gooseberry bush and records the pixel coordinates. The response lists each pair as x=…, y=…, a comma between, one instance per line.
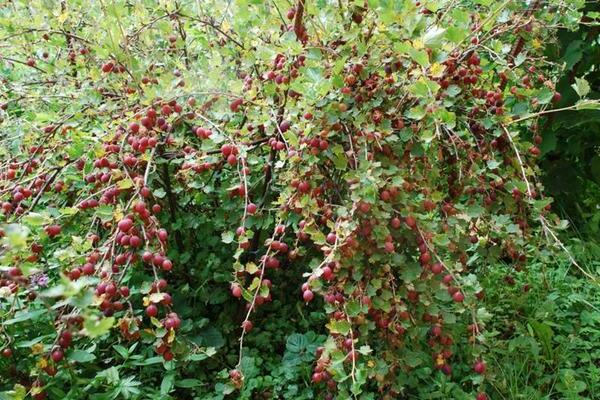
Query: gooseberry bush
x=176, y=175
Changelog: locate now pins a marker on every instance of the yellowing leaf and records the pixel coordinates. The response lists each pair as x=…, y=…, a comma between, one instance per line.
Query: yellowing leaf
x=36, y=390
x=125, y=183
x=251, y=268
x=437, y=70
x=342, y=327
x=42, y=363
x=171, y=336
x=118, y=213
x=37, y=348
x=63, y=17
x=156, y=297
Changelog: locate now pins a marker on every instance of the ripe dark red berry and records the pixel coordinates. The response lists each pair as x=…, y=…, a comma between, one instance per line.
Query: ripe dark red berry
x=479, y=367
x=247, y=325
x=152, y=310
x=53, y=230
x=251, y=208
x=235, y=105
x=458, y=297
x=331, y=238
x=308, y=295
x=125, y=224
x=57, y=355
x=236, y=291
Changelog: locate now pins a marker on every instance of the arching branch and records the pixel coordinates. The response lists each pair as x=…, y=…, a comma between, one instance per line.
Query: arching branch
x=299, y=28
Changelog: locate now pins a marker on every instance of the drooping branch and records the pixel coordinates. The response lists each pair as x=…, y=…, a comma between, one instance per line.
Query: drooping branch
x=299, y=28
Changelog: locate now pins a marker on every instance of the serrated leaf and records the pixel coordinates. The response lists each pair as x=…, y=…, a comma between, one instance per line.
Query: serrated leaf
x=159, y=193
x=125, y=183
x=581, y=86
x=156, y=297
x=545, y=96
x=433, y=37
x=36, y=219
x=94, y=327
x=342, y=326
x=588, y=105
x=353, y=308
x=420, y=57
x=227, y=237
x=456, y=34
x=104, y=212
x=416, y=113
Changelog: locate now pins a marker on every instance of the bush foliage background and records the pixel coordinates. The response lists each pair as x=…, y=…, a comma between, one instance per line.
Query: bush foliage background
x=418, y=181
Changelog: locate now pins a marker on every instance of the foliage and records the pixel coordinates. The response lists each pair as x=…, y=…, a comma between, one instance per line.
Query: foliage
x=252, y=199
x=570, y=154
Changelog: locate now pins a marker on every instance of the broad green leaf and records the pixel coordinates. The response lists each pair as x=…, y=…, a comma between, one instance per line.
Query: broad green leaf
x=81, y=356
x=581, y=86
x=95, y=327
x=339, y=326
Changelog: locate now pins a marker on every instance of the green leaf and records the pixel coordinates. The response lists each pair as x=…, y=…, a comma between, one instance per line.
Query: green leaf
x=21, y=316
x=416, y=113
x=151, y=361
x=424, y=88
x=419, y=56
x=339, y=326
x=413, y=359
x=36, y=219
x=167, y=383
x=125, y=184
x=453, y=90
x=188, y=383
x=95, y=327
x=433, y=37
x=573, y=54
x=210, y=336
x=353, y=308
x=588, y=105
x=456, y=34
x=104, y=212
x=475, y=211
x=227, y=237
x=581, y=86
x=411, y=272
x=159, y=193
x=81, y=356
x=339, y=157
x=16, y=235
x=545, y=95
x=121, y=350
x=296, y=343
